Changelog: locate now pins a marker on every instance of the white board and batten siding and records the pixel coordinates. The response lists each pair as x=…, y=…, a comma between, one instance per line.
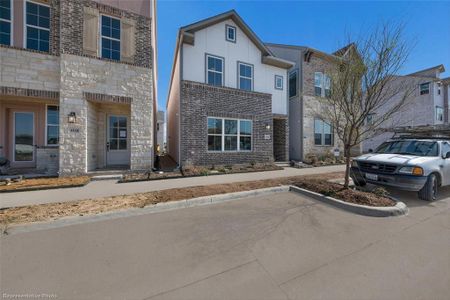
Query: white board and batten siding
x=211, y=40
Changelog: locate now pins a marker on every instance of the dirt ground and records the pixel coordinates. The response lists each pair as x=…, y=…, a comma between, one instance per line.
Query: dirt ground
x=29, y=184
x=53, y=211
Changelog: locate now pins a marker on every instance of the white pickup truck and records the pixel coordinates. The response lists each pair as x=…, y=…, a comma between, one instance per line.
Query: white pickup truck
x=421, y=165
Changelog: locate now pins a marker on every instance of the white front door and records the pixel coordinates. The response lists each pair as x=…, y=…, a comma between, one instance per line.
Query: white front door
x=117, y=141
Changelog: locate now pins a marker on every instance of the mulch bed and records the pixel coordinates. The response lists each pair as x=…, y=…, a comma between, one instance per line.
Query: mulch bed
x=44, y=183
x=53, y=211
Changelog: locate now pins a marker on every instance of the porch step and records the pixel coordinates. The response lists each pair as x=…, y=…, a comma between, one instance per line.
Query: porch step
x=107, y=177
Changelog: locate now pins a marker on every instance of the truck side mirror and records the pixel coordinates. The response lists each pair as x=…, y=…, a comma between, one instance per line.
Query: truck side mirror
x=447, y=155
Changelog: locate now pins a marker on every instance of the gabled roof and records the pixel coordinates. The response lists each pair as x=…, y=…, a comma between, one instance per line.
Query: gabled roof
x=188, y=36
x=233, y=15
x=439, y=68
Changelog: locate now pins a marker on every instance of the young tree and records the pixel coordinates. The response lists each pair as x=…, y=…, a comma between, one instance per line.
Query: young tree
x=365, y=91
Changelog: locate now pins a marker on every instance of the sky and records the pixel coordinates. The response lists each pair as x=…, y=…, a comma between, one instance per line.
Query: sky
x=324, y=25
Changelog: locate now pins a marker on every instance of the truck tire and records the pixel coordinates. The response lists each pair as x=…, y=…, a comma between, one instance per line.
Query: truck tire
x=430, y=189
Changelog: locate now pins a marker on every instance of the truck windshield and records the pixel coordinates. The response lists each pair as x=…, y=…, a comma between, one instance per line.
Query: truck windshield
x=417, y=148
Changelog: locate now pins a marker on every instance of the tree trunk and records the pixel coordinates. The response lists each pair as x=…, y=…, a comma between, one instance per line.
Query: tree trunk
x=347, y=165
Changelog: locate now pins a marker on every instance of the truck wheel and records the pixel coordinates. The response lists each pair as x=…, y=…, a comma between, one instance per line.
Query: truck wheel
x=430, y=189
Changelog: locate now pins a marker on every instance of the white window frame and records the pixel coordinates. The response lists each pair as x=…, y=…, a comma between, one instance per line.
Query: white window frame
x=282, y=82
x=214, y=71
x=322, y=139
x=226, y=33
x=54, y=125
x=245, y=77
x=441, y=114
x=33, y=26
x=428, y=89
x=11, y=22
x=101, y=36
x=296, y=83
x=238, y=136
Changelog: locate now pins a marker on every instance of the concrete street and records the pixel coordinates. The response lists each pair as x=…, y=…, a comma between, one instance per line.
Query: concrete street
x=111, y=188
x=280, y=246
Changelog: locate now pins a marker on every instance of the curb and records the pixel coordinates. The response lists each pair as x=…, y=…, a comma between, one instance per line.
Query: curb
x=372, y=211
x=149, y=209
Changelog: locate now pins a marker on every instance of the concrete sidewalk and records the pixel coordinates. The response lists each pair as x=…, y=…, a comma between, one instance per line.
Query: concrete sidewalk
x=112, y=188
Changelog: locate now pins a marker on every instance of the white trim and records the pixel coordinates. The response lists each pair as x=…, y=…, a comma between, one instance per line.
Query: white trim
x=14, y=137
x=100, y=54
x=46, y=125
x=227, y=27
x=282, y=82
x=11, y=22
x=214, y=71
x=25, y=25
x=238, y=135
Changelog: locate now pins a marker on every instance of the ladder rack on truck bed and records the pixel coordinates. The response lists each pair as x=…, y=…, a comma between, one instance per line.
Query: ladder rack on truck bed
x=420, y=132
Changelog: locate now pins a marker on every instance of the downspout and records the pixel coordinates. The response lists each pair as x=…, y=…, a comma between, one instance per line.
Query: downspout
x=179, y=101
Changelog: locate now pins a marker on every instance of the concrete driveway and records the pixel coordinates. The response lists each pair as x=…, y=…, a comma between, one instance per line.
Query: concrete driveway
x=281, y=246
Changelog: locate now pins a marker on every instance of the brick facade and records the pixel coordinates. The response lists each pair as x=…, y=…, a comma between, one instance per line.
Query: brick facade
x=72, y=29
x=281, y=139
x=199, y=101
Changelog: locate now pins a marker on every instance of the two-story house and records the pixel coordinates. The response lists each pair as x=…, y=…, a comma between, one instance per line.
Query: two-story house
x=77, y=84
x=428, y=104
x=308, y=81
x=227, y=102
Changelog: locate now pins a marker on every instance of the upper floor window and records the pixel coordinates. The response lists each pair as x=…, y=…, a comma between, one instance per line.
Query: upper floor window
x=278, y=82
x=293, y=83
x=5, y=22
x=424, y=88
x=214, y=70
x=230, y=32
x=110, y=38
x=245, y=76
x=37, y=26
x=439, y=113
x=370, y=119
x=318, y=82
x=52, y=131
x=327, y=85
x=323, y=133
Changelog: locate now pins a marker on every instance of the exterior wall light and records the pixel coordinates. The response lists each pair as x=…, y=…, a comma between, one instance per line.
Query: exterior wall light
x=267, y=126
x=72, y=117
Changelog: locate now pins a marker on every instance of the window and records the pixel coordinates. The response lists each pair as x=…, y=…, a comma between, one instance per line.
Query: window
x=214, y=71
x=52, y=133
x=293, y=83
x=110, y=38
x=445, y=149
x=229, y=135
x=214, y=134
x=318, y=81
x=424, y=88
x=230, y=33
x=118, y=133
x=245, y=76
x=439, y=113
x=38, y=27
x=370, y=118
x=5, y=22
x=323, y=133
x=278, y=82
x=327, y=85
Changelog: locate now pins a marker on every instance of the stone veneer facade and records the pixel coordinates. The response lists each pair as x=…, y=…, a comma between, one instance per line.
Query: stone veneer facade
x=87, y=85
x=311, y=106
x=199, y=101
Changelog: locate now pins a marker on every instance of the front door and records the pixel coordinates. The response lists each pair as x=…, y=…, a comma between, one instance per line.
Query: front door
x=23, y=139
x=117, y=145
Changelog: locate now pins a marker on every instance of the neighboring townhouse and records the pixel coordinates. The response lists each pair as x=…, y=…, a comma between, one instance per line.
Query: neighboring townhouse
x=308, y=81
x=227, y=102
x=77, y=84
x=161, y=130
x=427, y=105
